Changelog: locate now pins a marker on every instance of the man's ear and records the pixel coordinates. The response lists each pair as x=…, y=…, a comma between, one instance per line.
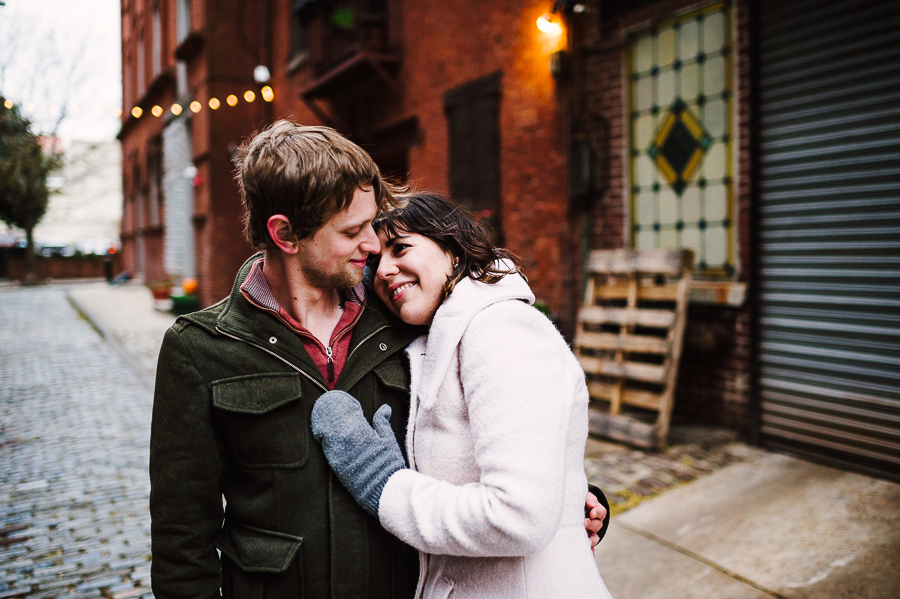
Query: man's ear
x=282, y=235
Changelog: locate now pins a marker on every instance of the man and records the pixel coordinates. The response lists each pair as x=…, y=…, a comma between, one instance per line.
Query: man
x=236, y=384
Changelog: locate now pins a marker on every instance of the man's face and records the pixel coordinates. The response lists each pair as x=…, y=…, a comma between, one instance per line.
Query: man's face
x=334, y=256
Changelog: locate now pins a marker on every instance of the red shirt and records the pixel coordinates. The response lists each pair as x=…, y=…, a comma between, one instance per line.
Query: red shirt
x=257, y=291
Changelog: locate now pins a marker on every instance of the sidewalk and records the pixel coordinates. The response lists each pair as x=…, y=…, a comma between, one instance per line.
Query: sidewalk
x=709, y=518
x=125, y=316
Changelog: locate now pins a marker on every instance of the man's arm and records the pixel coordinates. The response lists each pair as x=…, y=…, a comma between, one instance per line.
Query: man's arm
x=185, y=468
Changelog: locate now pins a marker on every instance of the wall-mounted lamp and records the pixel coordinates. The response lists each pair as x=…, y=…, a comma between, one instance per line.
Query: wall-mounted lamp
x=550, y=24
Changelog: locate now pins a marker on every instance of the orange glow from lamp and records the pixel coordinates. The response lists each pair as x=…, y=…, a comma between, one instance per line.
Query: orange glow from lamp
x=231, y=100
x=136, y=112
x=196, y=106
x=214, y=103
x=156, y=111
x=249, y=96
x=176, y=109
x=267, y=94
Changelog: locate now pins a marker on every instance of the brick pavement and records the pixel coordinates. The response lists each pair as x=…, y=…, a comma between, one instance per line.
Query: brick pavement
x=74, y=434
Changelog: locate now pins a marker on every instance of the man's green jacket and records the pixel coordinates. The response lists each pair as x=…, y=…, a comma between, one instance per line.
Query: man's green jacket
x=234, y=392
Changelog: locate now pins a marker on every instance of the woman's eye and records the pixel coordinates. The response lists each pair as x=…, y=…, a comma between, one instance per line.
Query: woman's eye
x=399, y=248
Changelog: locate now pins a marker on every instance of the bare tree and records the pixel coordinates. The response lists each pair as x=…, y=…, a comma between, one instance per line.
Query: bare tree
x=43, y=70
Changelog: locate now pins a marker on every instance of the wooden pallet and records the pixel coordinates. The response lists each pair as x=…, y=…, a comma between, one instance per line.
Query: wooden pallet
x=628, y=340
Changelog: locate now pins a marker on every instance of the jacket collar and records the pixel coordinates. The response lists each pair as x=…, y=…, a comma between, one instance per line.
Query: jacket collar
x=453, y=317
x=376, y=325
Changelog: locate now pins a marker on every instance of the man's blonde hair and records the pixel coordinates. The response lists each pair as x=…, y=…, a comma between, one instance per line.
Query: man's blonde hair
x=306, y=173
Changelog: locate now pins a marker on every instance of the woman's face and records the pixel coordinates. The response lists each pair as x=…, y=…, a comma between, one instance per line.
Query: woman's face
x=411, y=275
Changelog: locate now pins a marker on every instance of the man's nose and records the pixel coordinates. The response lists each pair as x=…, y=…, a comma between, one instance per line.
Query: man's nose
x=370, y=242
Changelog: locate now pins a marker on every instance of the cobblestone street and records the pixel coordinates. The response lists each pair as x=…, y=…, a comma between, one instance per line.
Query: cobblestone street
x=74, y=432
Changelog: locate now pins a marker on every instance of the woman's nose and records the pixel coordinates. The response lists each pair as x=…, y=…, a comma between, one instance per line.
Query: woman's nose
x=386, y=267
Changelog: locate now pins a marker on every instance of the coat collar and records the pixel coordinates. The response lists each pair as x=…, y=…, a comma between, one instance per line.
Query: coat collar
x=453, y=317
x=238, y=317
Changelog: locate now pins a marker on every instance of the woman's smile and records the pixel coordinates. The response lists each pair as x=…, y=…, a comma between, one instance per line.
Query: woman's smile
x=412, y=272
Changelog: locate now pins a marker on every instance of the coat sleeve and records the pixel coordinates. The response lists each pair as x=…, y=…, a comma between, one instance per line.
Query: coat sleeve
x=517, y=380
x=185, y=468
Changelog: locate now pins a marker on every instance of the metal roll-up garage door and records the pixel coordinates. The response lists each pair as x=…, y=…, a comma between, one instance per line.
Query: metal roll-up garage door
x=829, y=230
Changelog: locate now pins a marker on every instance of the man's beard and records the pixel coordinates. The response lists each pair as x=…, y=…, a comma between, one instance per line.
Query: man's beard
x=340, y=279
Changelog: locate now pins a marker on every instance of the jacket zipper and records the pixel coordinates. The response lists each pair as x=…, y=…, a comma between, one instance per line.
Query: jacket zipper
x=329, y=366
x=271, y=353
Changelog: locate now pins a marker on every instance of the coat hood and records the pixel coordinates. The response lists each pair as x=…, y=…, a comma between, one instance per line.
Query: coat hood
x=452, y=318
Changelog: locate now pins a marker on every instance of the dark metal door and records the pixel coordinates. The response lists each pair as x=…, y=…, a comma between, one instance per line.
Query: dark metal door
x=829, y=230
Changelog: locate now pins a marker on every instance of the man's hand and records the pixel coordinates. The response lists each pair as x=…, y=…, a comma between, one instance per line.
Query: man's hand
x=596, y=517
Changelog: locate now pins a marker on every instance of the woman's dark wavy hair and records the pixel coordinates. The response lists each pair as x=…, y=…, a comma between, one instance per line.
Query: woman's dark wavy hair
x=456, y=231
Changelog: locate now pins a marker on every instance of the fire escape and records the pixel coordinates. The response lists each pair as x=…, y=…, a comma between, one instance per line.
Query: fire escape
x=351, y=67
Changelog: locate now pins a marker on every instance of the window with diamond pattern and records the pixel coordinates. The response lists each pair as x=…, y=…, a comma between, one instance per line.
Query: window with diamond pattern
x=680, y=138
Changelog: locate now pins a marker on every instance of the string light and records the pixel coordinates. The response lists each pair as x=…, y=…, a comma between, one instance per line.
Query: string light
x=266, y=93
x=9, y=104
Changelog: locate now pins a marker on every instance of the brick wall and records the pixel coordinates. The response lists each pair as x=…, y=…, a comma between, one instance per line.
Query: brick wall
x=60, y=267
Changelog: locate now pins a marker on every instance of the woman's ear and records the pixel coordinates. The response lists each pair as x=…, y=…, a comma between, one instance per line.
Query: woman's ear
x=282, y=234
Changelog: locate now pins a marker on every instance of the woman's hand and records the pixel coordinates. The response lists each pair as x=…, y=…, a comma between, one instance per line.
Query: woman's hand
x=362, y=457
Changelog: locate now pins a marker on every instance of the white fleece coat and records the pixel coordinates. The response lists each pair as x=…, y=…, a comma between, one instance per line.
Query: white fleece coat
x=494, y=497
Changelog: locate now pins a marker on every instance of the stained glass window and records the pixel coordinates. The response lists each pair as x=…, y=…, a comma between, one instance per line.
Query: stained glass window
x=680, y=117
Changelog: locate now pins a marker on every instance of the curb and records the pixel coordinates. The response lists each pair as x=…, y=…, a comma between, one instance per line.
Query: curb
x=144, y=377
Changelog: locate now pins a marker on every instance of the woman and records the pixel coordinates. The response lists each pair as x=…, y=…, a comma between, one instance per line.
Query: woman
x=494, y=494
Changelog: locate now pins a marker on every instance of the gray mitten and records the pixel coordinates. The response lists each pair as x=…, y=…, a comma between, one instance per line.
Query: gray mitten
x=363, y=458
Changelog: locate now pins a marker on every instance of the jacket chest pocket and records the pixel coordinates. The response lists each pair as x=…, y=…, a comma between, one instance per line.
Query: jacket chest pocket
x=266, y=423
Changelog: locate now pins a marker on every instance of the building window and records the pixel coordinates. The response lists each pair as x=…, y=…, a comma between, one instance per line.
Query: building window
x=474, y=138
x=154, y=182
x=141, y=66
x=127, y=78
x=157, y=42
x=680, y=119
x=183, y=19
x=302, y=13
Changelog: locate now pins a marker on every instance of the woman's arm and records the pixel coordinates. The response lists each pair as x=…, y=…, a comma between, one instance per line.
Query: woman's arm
x=519, y=389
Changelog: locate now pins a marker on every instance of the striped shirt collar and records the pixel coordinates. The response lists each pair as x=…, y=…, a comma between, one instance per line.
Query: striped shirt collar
x=257, y=291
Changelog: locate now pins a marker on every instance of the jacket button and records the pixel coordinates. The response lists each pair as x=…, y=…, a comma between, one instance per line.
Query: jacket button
x=382, y=347
x=273, y=340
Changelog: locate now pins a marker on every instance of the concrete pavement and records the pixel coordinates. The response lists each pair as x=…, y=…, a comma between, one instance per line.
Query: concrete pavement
x=713, y=518
x=774, y=526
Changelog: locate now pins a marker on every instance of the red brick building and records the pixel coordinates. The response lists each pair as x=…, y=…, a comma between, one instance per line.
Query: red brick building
x=556, y=135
